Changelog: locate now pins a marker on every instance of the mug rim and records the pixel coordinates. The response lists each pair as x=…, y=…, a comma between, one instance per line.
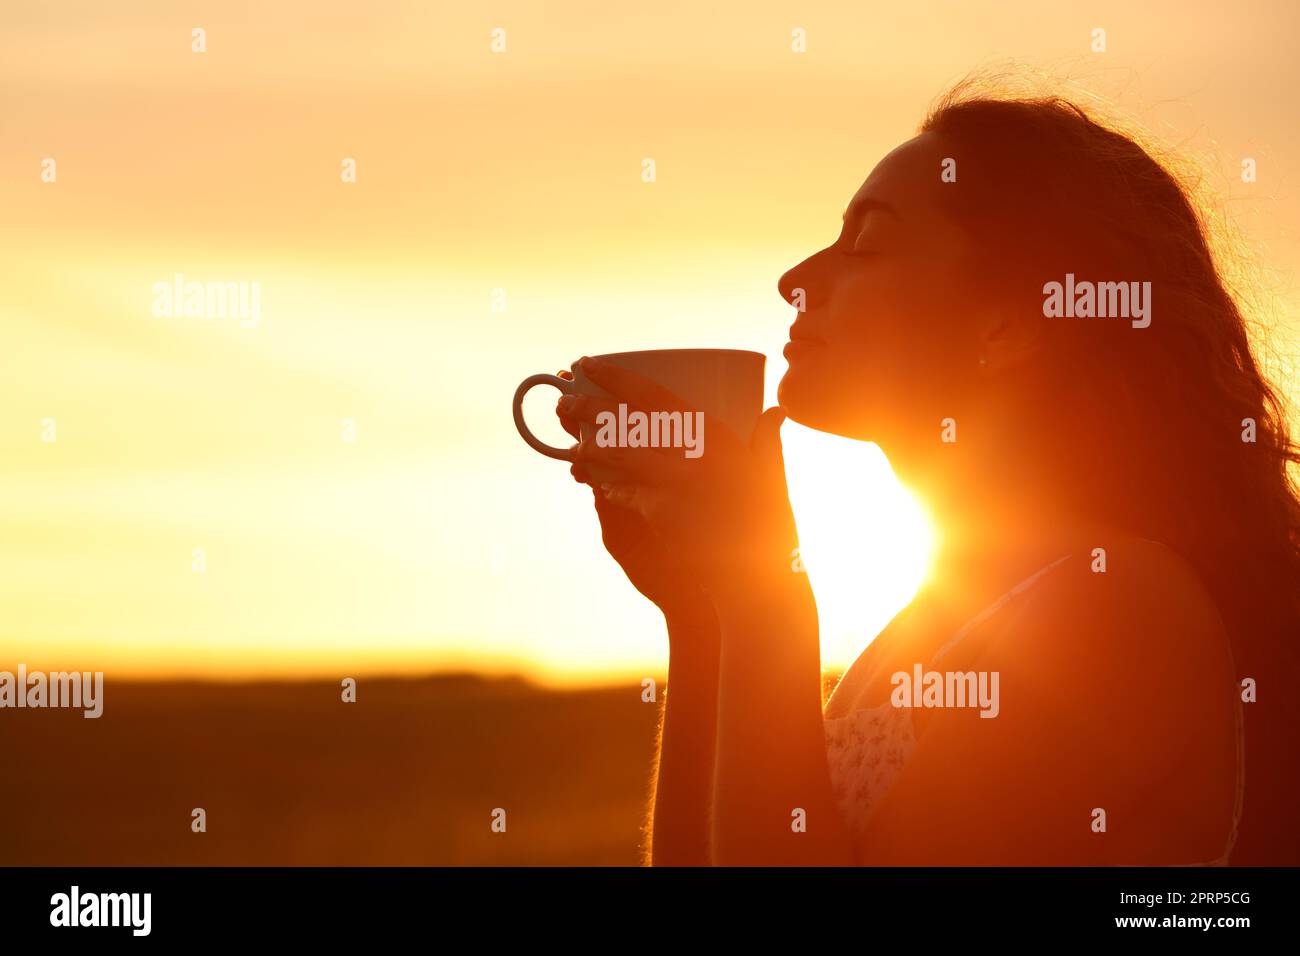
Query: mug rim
x=761, y=355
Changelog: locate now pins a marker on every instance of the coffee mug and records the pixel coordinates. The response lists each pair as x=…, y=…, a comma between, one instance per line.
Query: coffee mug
x=724, y=384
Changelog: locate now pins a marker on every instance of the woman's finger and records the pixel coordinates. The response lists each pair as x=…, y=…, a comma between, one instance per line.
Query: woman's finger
x=630, y=387
x=662, y=432
x=586, y=408
x=568, y=422
x=622, y=494
x=639, y=465
x=588, y=452
x=766, y=442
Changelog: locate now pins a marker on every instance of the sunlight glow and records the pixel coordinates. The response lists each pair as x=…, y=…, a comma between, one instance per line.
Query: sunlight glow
x=865, y=542
x=434, y=538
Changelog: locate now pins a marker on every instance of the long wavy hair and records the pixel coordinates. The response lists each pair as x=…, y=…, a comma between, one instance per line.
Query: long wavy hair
x=1148, y=429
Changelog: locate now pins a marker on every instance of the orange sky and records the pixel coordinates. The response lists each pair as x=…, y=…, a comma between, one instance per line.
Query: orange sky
x=437, y=539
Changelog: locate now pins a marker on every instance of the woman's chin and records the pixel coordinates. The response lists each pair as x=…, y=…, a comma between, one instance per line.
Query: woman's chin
x=807, y=400
x=792, y=396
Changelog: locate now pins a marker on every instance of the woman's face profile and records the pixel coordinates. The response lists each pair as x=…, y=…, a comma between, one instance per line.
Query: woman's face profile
x=888, y=340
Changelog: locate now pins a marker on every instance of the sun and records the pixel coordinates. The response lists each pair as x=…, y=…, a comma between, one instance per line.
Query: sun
x=864, y=540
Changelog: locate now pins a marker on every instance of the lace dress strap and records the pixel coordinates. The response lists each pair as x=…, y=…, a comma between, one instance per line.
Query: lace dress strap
x=867, y=748
x=996, y=606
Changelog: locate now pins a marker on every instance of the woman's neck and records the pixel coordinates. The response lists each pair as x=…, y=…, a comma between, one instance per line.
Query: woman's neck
x=991, y=539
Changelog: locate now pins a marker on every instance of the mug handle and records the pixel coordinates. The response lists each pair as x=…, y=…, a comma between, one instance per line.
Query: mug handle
x=565, y=386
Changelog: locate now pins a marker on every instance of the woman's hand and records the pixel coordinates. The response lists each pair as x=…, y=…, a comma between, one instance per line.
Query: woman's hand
x=724, y=516
x=644, y=558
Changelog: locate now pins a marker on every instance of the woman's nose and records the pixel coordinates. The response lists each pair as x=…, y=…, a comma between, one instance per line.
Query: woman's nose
x=797, y=280
x=789, y=283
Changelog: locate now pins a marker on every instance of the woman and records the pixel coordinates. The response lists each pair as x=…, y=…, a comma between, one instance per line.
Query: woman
x=1119, y=558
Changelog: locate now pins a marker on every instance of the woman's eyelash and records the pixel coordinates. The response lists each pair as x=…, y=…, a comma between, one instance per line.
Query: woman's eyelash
x=857, y=253
x=849, y=246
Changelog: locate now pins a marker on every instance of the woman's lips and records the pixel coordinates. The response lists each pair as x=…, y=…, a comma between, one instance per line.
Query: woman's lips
x=800, y=341
x=799, y=333
x=797, y=346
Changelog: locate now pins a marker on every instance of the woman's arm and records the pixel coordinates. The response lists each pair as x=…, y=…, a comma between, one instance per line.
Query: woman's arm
x=683, y=792
x=773, y=804
x=725, y=517
x=678, y=834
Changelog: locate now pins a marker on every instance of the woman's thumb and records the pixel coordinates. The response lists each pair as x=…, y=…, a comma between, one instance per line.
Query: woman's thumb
x=766, y=443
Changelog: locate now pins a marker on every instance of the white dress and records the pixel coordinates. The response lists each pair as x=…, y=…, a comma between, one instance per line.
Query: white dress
x=868, y=747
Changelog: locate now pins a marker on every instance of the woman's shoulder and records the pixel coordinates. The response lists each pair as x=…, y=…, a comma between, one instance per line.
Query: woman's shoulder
x=1121, y=584
x=1127, y=613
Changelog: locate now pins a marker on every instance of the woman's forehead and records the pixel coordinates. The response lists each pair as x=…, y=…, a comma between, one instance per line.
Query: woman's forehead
x=908, y=177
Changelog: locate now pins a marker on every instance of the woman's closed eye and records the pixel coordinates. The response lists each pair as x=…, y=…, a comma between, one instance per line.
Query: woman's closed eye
x=863, y=247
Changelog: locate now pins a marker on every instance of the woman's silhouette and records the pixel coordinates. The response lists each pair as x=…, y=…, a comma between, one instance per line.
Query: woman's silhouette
x=1119, y=535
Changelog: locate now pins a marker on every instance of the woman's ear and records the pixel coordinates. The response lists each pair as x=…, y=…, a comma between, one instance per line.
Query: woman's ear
x=1009, y=338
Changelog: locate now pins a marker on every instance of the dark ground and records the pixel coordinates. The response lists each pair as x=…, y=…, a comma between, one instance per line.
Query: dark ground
x=291, y=775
